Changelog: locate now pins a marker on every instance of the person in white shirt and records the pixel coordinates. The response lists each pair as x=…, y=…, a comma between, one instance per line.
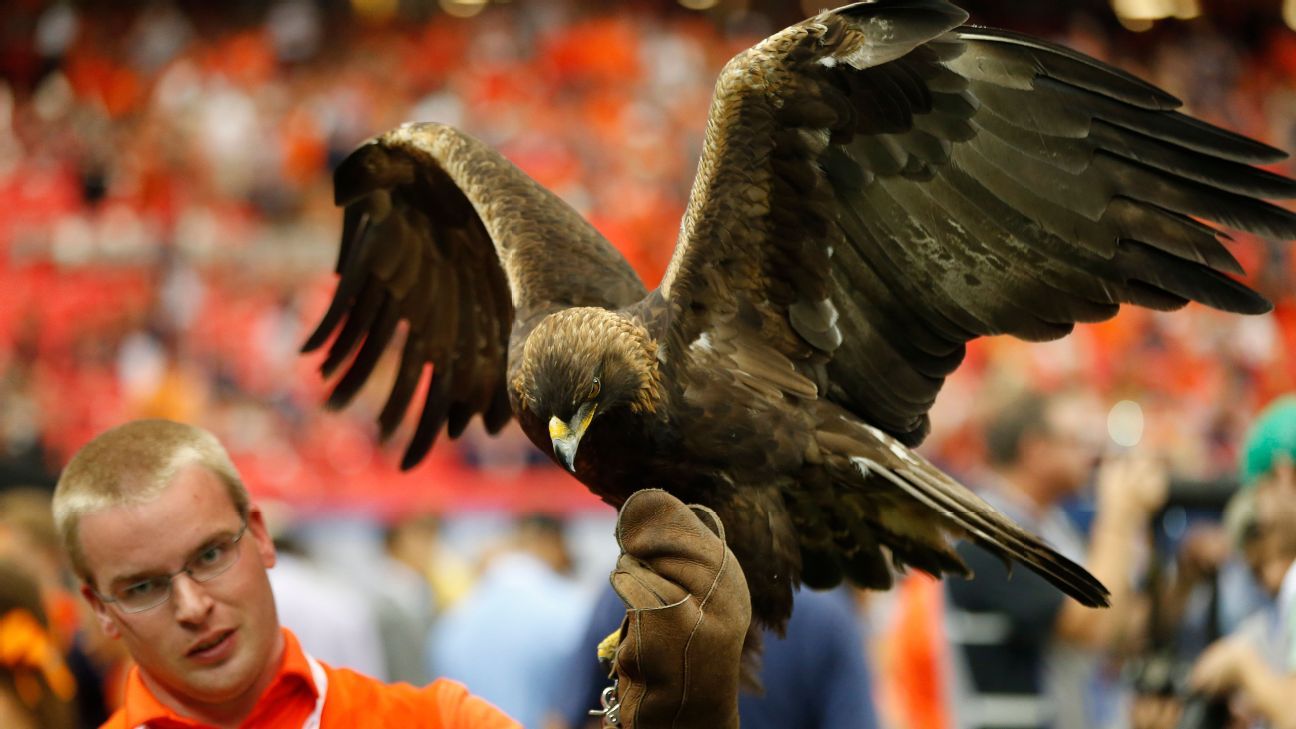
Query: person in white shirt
x=1265, y=679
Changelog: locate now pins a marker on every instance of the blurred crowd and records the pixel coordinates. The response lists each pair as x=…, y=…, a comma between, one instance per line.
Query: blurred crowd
x=167, y=241
x=169, y=233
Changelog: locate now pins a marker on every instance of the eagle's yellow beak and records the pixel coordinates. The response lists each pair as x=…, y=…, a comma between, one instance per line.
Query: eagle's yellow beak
x=566, y=436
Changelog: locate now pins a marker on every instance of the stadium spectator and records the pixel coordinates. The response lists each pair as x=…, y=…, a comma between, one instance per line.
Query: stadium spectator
x=524, y=606
x=151, y=494
x=1028, y=654
x=1261, y=666
x=36, y=688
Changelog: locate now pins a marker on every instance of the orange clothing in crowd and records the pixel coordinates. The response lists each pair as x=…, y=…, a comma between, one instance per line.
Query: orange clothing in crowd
x=350, y=700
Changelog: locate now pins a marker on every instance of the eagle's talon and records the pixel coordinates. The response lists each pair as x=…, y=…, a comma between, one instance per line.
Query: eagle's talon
x=607, y=647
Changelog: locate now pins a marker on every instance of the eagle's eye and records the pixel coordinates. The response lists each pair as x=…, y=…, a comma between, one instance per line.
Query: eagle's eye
x=595, y=388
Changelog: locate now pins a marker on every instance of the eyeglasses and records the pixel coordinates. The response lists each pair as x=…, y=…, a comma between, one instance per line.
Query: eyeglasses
x=213, y=561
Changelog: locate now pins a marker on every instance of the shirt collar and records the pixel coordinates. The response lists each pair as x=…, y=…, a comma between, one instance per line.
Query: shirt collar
x=142, y=708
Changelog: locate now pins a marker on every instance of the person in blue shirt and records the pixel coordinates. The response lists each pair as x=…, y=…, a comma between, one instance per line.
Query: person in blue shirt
x=522, y=608
x=816, y=676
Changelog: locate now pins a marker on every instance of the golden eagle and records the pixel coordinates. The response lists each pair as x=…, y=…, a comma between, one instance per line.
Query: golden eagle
x=879, y=185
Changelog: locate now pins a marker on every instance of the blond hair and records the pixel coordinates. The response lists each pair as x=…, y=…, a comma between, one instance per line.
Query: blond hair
x=132, y=464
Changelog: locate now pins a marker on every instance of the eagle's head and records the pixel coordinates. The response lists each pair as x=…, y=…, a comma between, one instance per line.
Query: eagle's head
x=581, y=363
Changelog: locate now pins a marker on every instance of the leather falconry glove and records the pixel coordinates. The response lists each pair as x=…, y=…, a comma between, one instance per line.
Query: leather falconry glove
x=687, y=611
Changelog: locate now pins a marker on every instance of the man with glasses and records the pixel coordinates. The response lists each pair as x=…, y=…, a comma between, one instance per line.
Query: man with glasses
x=173, y=558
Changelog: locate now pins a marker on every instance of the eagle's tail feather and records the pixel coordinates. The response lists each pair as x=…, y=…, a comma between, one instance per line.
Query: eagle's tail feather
x=869, y=458
x=983, y=524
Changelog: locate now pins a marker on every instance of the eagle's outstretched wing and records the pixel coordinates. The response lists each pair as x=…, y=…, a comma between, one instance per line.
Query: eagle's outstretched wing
x=879, y=186
x=443, y=233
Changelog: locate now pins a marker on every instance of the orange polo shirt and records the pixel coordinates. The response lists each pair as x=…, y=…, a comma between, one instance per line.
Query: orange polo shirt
x=351, y=700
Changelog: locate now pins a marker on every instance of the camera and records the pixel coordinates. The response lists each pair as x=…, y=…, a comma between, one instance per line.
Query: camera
x=1160, y=673
x=1207, y=495
x=1204, y=712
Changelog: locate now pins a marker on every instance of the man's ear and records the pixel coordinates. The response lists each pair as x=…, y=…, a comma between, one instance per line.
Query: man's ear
x=261, y=536
x=105, y=618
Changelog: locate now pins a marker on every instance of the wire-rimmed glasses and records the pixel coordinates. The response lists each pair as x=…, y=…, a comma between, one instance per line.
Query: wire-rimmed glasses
x=145, y=594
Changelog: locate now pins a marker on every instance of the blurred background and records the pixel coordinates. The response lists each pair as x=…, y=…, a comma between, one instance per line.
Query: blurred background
x=167, y=238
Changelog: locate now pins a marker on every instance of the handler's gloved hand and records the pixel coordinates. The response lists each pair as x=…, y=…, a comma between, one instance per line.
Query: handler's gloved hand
x=687, y=612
